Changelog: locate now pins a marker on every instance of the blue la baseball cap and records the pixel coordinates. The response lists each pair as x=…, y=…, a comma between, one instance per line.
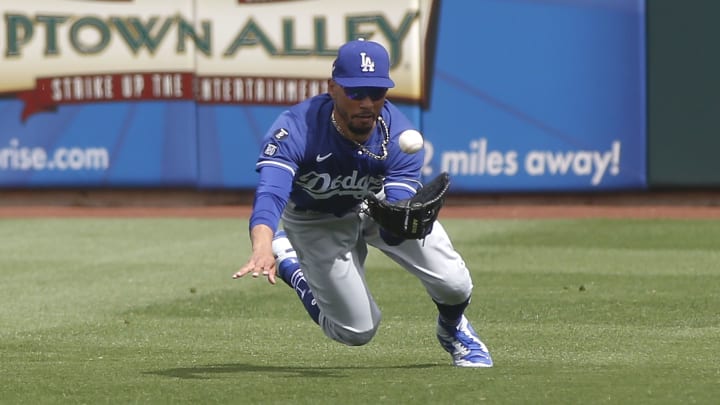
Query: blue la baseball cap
x=361, y=63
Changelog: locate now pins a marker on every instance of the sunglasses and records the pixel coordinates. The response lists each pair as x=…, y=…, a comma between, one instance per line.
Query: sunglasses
x=359, y=93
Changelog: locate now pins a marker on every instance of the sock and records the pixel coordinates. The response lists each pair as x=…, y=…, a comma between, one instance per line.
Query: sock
x=450, y=315
x=293, y=276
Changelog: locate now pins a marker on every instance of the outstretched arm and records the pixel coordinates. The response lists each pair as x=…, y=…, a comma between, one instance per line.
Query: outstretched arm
x=262, y=260
x=270, y=199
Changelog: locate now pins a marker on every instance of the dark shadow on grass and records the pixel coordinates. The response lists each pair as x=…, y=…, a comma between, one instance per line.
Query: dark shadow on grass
x=205, y=372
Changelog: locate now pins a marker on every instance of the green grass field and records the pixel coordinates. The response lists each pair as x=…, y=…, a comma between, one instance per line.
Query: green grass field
x=144, y=311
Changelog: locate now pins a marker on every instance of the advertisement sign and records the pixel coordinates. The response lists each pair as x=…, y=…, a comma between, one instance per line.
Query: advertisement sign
x=97, y=93
x=540, y=96
x=511, y=95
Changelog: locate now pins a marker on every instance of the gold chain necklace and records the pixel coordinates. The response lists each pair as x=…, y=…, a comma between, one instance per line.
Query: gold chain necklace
x=362, y=147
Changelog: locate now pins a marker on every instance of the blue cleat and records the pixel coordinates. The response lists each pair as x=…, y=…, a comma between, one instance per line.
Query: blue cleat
x=464, y=345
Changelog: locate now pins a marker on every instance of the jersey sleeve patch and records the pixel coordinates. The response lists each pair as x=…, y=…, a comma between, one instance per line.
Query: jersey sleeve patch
x=281, y=134
x=270, y=149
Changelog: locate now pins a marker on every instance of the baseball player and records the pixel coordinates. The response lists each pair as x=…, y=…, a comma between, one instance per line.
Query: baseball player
x=319, y=160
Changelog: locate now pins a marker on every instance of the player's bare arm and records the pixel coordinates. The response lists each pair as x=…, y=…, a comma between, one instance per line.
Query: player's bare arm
x=262, y=260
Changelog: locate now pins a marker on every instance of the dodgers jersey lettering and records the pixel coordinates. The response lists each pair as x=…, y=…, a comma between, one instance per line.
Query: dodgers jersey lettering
x=329, y=175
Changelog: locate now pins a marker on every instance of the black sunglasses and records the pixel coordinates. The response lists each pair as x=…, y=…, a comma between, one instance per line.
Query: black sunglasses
x=359, y=93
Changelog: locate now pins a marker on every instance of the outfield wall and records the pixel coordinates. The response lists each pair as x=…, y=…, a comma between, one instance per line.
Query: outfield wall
x=683, y=89
x=512, y=96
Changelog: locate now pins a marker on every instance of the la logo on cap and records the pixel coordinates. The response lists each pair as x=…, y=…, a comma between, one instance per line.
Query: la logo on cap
x=366, y=63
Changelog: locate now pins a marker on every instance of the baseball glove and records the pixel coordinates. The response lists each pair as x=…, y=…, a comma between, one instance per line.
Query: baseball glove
x=412, y=218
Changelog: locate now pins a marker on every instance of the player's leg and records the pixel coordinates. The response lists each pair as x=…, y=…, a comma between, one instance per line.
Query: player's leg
x=442, y=271
x=332, y=257
x=288, y=269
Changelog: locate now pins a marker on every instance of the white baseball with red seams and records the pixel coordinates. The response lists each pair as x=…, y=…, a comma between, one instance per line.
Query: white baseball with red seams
x=411, y=141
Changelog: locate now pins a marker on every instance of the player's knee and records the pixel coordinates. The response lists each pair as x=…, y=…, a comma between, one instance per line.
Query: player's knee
x=355, y=338
x=351, y=337
x=453, y=292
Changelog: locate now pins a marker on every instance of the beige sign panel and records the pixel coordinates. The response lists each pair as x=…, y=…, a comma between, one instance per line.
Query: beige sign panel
x=213, y=51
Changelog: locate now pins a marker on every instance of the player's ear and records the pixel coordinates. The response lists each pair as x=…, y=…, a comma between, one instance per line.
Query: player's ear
x=331, y=88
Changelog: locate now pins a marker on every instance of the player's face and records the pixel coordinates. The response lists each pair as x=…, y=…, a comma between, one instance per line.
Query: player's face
x=357, y=108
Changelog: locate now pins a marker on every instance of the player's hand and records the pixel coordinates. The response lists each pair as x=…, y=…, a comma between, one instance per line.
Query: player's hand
x=260, y=263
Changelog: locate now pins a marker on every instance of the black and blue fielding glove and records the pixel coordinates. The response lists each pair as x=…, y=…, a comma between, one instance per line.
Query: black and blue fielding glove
x=412, y=218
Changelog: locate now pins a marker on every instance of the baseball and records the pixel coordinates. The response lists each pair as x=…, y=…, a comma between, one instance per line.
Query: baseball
x=410, y=141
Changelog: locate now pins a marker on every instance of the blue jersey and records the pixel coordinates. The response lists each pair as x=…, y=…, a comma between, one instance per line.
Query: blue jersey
x=330, y=173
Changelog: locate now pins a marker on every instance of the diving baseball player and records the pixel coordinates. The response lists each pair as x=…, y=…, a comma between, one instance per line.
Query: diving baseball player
x=319, y=161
